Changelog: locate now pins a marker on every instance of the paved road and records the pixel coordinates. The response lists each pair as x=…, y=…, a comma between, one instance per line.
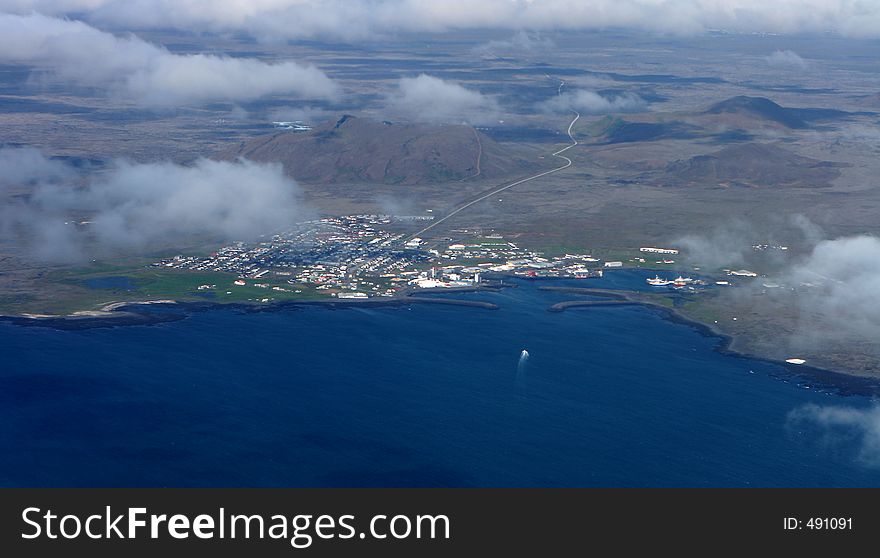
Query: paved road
x=497, y=191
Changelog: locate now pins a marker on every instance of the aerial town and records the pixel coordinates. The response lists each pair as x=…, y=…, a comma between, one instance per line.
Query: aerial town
x=364, y=256
x=361, y=256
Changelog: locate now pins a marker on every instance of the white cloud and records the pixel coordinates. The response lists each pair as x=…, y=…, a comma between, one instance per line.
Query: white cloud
x=588, y=102
x=786, y=59
x=841, y=426
x=24, y=165
x=725, y=246
x=359, y=18
x=840, y=299
x=520, y=42
x=830, y=293
x=135, y=69
x=132, y=206
x=429, y=99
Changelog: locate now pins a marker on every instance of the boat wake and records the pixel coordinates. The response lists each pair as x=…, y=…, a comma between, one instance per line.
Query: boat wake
x=521, y=369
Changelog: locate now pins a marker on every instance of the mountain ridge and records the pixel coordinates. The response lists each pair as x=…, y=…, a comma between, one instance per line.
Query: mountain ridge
x=355, y=149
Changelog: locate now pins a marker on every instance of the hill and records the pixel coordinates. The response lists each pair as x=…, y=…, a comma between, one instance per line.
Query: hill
x=353, y=149
x=758, y=107
x=760, y=110
x=611, y=130
x=751, y=164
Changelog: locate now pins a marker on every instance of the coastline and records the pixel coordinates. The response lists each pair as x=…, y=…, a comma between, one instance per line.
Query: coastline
x=131, y=313
x=841, y=382
x=117, y=314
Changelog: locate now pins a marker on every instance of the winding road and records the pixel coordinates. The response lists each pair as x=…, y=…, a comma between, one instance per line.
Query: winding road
x=497, y=191
x=479, y=152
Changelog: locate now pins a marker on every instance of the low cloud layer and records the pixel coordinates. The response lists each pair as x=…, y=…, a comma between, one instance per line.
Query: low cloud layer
x=837, y=286
x=353, y=19
x=842, y=428
x=588, y=102
x=131, y=68
x=135, y=206
x=727, y=245
x=519, y=43
x=429, y=99
x=786, y=59
x=21, y=166
x=829, y=286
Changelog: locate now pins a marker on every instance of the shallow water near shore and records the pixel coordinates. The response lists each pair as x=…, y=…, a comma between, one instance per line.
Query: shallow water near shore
x=417, y=395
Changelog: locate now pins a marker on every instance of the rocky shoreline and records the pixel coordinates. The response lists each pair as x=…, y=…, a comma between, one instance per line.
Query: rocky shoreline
x=842, y=383
x=119, y=314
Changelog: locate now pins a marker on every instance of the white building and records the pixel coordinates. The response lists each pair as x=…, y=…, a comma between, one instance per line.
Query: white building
x=351, y=295
x=428, y=283
x=653, y=250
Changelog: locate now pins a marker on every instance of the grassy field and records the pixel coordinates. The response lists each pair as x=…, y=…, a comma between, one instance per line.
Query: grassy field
x=68, y=291
x=629, y=256
x=704, y=308
x=184, y=285
x=654, y=298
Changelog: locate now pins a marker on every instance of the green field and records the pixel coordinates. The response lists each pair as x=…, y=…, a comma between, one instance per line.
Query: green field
x=703, y=309
x=625, y=255
x=67, y=291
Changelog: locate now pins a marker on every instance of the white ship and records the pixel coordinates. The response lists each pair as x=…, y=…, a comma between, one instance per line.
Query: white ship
x=656, y=281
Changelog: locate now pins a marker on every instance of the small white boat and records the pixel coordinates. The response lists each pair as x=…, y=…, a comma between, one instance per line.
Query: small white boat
x=795, y=360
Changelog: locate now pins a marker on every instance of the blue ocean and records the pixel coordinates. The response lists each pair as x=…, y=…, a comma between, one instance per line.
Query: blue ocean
x=419, y=395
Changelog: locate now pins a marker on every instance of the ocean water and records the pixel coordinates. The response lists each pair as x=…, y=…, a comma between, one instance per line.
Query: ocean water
x=420, y=395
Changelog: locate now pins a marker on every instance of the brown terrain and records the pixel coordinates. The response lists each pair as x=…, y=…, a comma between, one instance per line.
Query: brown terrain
x=715, y=144
x=353, y=149
x=752, y=165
